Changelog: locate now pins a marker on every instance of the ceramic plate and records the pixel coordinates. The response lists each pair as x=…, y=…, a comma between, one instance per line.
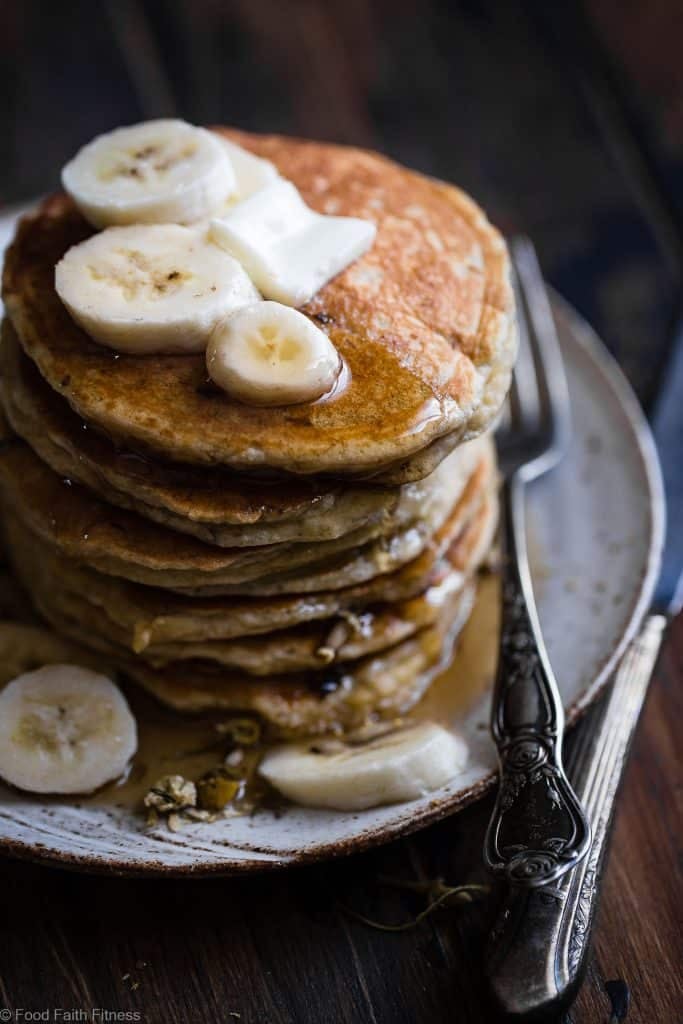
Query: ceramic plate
x=596, y=530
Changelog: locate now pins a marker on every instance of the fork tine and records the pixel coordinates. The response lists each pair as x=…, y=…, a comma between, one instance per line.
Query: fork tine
x=525, y=398
x=503, y=424
x=544, y=344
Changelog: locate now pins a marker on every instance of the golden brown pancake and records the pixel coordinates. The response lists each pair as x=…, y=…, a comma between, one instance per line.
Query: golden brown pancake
x=215, y=506
x=381, y=687
x=422, y=321
x=148, y=616
x=339, y=699
x=62, y=589
x=311, y=564
x=309, y=647
x=123, y=543
x=377, y=560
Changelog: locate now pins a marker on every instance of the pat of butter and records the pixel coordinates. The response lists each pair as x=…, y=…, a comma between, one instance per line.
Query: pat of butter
x=289, y=250
x=251, y=172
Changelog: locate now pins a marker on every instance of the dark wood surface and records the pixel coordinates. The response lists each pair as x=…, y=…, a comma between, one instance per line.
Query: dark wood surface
x=566, y=124
x=280, y=949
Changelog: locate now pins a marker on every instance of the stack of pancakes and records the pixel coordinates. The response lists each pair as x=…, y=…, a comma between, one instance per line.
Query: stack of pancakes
x=310, y=563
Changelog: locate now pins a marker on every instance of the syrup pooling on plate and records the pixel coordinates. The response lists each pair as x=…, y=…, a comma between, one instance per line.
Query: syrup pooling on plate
x=470, y=674
x=190, y=746
x=168, y=744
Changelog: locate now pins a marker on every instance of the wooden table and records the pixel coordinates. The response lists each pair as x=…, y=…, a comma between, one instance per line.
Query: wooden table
x=515, y=101
x=280, y=949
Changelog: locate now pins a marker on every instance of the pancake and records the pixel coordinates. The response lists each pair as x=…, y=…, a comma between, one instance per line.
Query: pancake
x=148, y=616
x=309, y=647
x=123, y=543
x=340, y=699
x=377, y=560
x=216, y=507
x=381, y=687
x=62, y=590
x=299, y=650
x=310, y=564
x=423, y=322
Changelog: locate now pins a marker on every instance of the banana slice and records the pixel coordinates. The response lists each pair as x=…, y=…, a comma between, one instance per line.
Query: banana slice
x=251, y=172
x=64, y=729
x=269, y=354
x=289, y=250
x=151, y=288
x=157, y=172
x=400, y=765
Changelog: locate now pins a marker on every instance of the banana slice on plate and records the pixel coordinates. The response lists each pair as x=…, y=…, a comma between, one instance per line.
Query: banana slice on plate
x=270, y=354
x=289, y=250
x=398, y=766
x=151, y=288
x=157, y=172
x=64, y=729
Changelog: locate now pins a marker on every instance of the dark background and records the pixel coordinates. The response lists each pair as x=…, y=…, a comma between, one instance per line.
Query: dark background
x=565, y=121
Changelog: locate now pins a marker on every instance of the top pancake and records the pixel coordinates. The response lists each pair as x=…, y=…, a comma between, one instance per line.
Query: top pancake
x=221, y=508
x=423, y=322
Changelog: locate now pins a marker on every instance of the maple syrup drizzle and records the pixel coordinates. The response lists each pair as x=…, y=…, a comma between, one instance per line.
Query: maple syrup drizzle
x=170, y=743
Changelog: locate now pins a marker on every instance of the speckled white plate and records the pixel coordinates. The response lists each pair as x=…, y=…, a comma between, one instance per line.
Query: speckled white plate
x=597, y=526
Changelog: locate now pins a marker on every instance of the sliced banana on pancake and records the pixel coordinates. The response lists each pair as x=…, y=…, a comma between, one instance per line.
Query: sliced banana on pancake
x=64, y=729
x=401, y=765
x=151, y=288
x=289, y=250
x=270, y=354
x=157, y=172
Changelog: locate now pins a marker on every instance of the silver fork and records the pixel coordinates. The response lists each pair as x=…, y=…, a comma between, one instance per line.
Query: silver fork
x=538, y=830
x=538, y=948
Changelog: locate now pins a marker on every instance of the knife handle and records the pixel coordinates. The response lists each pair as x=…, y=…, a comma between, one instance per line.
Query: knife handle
x=537, y=949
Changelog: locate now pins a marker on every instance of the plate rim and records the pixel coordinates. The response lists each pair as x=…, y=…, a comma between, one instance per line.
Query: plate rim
x=594, y=349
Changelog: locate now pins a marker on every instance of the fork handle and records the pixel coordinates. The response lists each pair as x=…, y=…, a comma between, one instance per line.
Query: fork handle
x=537, y=951
x=538, y=830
